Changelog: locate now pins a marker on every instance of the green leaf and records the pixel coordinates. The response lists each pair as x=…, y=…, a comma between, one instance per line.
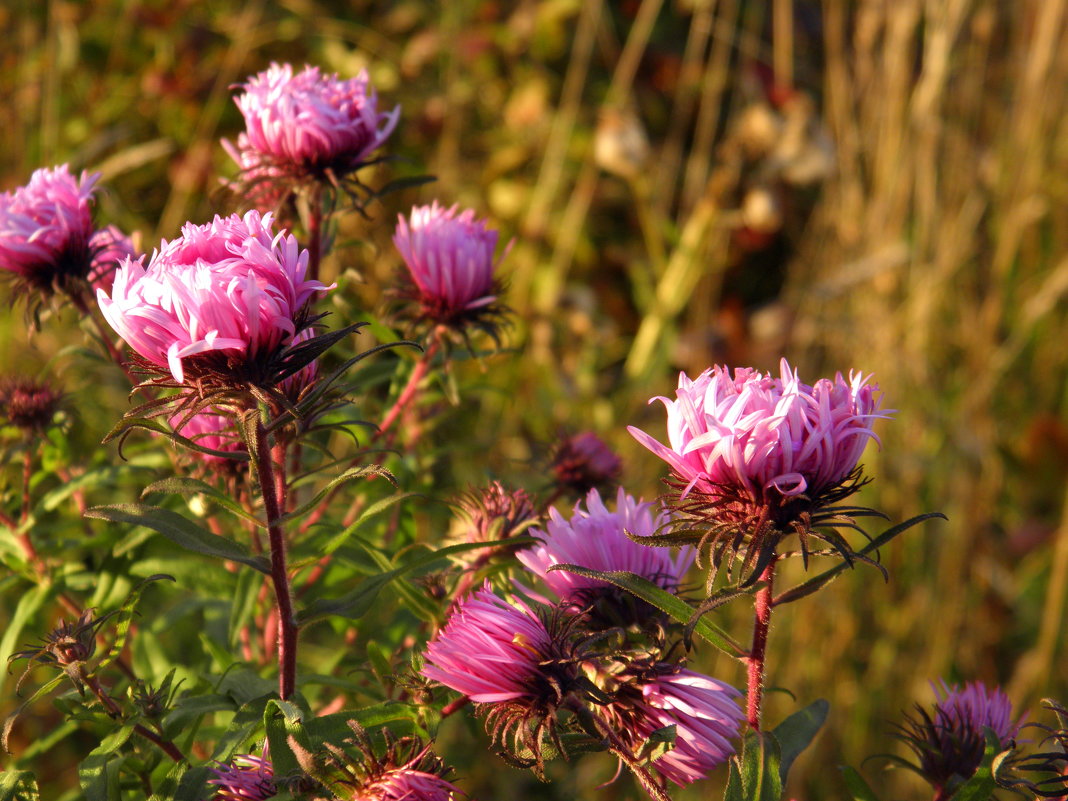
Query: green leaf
x=754, y=773
x=125, y=426
x=184, y=485
x=334, y=727
x=371, y=511
x=816, y=582
x=98, y=773
x=669, y=604
x=859, y=790
x=125, y=618
x=43, y=690
x=349, y=475
x=18, y=785
x=27, y=607
x=796, y=733
x=283, y=719
x=180, y=531
x=242, y=604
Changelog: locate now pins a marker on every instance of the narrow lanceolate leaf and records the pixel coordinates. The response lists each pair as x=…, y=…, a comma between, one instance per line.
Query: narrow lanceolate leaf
x=128, y=424
x=125, y=618
x=41, y=692
x=184, y=485
x=859, y=790
x=18, y=785
x=671, y=605
x=181, y=531
x=99, y=772
x=27, y=607
x=349, y=475
x=797, y=732
x=818, y=581
x=754, y=773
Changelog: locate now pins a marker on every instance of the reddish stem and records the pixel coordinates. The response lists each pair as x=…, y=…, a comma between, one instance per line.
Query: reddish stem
x=453, y=707
x=762, y=606
x=287, y=625
x=114, y=710
x=422, y=367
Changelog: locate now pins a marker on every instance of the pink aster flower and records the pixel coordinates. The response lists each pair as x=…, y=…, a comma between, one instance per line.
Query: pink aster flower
x=110, y=247
x=246, y=778
x=949, y=741
x=584, y=462
x=490, y=650
x=765, y=437
x=45, y=229
x=223, y=298
x=404, y=784
x=703, y=710
x=450, y=256
x=597, y=539
x=303, y=124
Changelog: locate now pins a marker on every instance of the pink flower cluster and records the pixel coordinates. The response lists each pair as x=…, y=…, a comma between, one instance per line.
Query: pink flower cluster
x=231, y=287
x=47, y=236
x=309, y=120
x=755, y=433
x=596, y=538
x=405, y=784
x=489, y=650
x=706, y=717
x=450, y=255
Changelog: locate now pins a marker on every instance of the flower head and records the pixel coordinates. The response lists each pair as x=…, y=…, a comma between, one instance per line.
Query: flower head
x=45, y=230
x=949, y=741
x=450, y=258
x=518, y=664
x=598, y=539
x=27, y=404
x=305, y=126
x=246, y=778
x=768, y=437
x=703, y=710
x=494, y=513
x=584, y=462
x=404, y=784
x=223, y=299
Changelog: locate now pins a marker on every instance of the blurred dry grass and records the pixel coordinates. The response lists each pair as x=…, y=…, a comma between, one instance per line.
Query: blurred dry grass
x=870, y=184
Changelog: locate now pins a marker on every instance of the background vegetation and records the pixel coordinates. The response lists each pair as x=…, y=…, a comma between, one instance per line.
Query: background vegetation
x=870, y=185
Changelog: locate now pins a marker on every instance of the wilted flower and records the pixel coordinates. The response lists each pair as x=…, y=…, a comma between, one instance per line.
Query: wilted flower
x=756, y=456
x=949, y=741
x=246, y=778
x=210, y=429
x=45, y=231
x=450, y=257
x=306, y=126
x=596, y=538
x=109, y=247
x=494, y=513
x=518, y=664
x=28, y=404
x=584, y=462
x=68, y=646
x=220, y=302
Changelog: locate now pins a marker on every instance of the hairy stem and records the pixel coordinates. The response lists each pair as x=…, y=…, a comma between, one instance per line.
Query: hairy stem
x=762, y=606
x=649, y=782
x=271, y=475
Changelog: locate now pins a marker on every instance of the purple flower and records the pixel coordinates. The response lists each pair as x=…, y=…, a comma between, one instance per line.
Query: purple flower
x=224, y=297
x=597, y=539
x=490, y=650
x=584, y=462
x=768, y=438
x=306, y=125
x=110, y=247
x=404, y=784
x=950, y=740
x=45, y=229
x=703, y=710
x=450, y=256
x=245, y=778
